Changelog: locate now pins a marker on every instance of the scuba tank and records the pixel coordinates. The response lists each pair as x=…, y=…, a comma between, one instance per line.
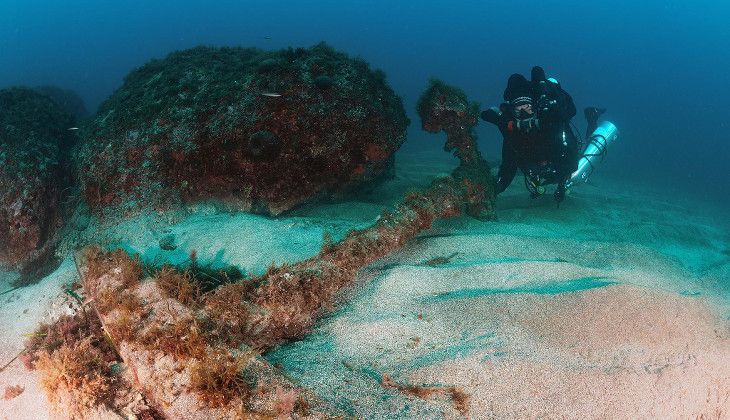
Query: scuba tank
x=605, y=134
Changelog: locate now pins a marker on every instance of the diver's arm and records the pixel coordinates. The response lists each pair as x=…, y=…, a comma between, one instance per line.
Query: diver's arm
x=496, y=115
x=566, y=106
x=556, y=104
x=566, y=147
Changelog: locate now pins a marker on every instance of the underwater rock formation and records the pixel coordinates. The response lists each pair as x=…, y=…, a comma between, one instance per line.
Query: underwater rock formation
x=255, y=130
x=67, y=99
x=34, y=145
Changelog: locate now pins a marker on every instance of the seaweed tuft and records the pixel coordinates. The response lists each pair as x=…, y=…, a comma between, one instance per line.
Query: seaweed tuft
x=218, y=378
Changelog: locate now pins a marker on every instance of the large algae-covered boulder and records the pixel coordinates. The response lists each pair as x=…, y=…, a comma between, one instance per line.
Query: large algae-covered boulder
x=256, y=130
x=34, y=144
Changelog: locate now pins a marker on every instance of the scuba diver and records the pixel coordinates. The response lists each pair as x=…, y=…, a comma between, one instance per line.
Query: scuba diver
x=537, y=137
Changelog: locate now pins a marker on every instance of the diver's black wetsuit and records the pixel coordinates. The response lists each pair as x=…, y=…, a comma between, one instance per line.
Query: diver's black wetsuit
x=544, y=141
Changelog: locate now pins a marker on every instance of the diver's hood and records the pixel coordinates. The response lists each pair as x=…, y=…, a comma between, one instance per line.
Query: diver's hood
x=518, y=89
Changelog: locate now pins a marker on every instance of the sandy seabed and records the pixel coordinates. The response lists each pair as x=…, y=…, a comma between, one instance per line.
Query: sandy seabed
x=615, y=305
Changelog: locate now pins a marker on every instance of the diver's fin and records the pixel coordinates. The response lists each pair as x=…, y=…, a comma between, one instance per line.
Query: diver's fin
x=592, y=114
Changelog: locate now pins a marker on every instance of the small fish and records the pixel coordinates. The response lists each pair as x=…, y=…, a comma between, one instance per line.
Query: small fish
x=271, y=94
x=35, y=334
x=440, y=260
x=73, y=128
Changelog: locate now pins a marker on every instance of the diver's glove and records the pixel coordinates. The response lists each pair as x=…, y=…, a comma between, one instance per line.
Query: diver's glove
x=528, y=124
x=559, y=194
x=492, y=115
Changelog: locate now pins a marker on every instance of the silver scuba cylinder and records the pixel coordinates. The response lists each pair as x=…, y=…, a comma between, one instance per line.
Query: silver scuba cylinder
x=605, y=134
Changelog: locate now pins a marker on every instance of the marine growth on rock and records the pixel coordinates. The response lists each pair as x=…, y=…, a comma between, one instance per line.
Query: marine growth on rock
x=34, y=148
x=259, y=131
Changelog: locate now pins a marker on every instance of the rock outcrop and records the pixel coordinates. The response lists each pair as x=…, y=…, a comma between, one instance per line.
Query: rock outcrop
x=255, y=130
x=34, y=147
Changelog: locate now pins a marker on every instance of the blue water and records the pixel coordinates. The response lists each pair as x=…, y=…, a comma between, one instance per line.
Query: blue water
x=660, y=67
